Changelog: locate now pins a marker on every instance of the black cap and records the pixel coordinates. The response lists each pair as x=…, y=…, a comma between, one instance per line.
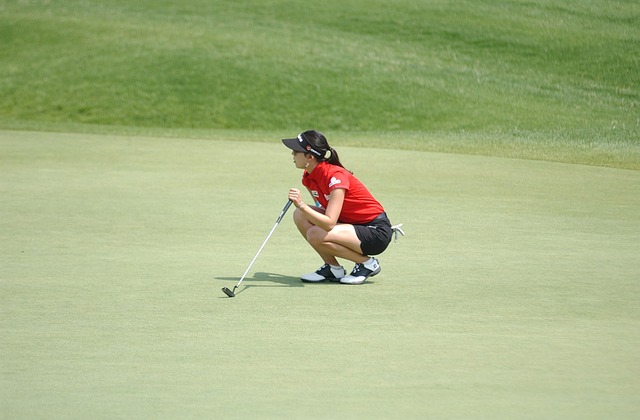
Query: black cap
x=300, y=144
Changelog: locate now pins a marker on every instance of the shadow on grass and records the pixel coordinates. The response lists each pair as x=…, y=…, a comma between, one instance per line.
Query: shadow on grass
x=279, y=280
x=262, y=277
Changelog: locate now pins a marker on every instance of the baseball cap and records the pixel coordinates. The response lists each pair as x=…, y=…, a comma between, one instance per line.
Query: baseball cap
x=300, y=144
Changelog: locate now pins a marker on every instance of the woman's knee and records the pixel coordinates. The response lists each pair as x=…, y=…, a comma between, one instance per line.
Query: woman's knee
x=299, y=219
x=316, y=235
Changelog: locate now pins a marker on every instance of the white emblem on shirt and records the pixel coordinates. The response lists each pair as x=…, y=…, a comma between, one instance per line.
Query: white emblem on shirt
x=334, y=181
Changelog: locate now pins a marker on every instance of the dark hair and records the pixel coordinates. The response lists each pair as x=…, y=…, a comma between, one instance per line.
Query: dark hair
x=319, y=142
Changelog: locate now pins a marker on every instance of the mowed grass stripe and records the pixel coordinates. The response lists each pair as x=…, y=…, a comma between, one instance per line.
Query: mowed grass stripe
x=482, y=67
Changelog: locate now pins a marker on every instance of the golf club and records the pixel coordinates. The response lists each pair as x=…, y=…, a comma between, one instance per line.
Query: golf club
x=232, y=293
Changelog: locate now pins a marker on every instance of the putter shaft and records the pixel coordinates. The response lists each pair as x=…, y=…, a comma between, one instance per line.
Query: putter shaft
x=282, y=213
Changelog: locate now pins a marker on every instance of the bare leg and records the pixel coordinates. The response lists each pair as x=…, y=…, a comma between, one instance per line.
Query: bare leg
x=341, y=241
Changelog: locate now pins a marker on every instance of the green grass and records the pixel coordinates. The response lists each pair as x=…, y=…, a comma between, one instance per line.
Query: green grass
x=474, y=72
x=140, y=170
x=513, y=295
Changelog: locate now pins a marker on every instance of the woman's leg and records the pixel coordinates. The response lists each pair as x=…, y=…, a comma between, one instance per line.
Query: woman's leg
x=341, y=241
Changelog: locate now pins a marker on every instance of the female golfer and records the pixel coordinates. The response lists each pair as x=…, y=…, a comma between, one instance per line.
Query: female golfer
x=346, y=221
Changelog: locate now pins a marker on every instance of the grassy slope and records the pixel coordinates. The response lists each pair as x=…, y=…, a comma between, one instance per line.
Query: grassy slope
x=524, y=79
x=513, y=295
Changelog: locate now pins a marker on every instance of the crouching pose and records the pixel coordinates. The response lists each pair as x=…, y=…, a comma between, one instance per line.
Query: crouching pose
x=345, y=221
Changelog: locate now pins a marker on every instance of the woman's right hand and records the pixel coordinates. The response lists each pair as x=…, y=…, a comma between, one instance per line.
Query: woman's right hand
x=295, y=197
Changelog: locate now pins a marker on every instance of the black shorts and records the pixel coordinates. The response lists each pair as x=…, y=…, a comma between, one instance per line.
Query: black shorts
x=374, y=236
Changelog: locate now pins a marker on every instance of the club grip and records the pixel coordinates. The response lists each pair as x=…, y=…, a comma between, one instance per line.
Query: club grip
x=284, y=210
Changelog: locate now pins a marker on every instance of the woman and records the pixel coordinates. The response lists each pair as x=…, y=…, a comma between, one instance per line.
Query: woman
x=346, y=221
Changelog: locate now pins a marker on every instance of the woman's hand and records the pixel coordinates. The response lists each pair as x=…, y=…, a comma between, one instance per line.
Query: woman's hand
x=295, y=197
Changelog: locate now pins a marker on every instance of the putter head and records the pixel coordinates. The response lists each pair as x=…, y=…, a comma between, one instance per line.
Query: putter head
x=228, y=292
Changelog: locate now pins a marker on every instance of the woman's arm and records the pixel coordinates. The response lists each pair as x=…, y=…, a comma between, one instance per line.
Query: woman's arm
x=329, y=219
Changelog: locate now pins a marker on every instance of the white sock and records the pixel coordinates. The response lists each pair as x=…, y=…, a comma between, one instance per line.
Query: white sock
x=336, y=269
x=371, y=264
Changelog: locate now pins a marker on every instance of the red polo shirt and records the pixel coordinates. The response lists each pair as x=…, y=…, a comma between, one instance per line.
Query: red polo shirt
x=359, y=206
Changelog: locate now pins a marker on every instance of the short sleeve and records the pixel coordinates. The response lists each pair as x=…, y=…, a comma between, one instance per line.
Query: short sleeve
x=339, y=179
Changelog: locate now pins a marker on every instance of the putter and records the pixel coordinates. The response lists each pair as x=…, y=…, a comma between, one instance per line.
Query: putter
x=232, y=293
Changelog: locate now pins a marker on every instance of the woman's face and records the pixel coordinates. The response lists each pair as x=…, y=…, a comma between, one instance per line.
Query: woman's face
x=300, y=159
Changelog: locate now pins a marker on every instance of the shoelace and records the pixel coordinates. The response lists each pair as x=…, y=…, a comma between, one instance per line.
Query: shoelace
x=397, y=230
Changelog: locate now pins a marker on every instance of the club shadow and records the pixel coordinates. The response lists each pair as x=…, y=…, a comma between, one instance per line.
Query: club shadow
x=276, y=280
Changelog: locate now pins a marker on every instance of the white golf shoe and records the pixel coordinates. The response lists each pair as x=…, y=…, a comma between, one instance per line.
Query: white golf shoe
x=326, y=272
x=362, y=271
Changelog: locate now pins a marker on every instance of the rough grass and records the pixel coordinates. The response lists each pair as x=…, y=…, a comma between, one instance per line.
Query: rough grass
x=491, y=75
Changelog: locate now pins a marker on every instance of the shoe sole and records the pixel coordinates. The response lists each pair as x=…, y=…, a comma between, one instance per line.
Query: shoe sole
x=333, y=280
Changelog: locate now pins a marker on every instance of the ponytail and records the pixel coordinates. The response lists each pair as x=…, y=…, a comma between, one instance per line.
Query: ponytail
x=319, y=142
x=334, y=159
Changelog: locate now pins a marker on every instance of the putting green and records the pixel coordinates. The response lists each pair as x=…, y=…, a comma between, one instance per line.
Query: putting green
x=514, y=294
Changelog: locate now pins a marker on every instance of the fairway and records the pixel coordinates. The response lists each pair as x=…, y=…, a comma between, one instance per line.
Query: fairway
x=514, y=294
